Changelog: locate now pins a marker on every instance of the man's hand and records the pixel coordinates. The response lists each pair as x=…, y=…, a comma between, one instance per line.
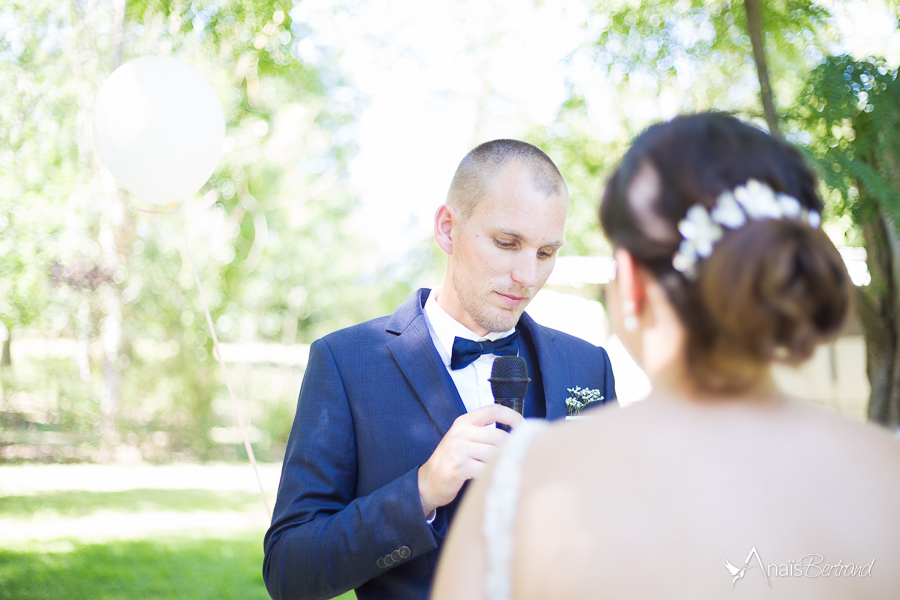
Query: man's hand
x=462, y=453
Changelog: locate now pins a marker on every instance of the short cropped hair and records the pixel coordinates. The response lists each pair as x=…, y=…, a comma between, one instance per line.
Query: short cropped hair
x=480, y=166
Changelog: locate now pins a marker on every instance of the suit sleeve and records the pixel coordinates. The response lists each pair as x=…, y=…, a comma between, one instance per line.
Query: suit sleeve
x=609, y=380
x=323, y=540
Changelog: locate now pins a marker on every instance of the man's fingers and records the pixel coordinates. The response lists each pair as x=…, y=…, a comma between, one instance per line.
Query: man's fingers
x=493, y=413
x=477, y=433
x=510, y=417
x=482, y=453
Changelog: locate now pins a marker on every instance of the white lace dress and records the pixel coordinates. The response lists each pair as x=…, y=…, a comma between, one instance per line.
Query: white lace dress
x=500, y=504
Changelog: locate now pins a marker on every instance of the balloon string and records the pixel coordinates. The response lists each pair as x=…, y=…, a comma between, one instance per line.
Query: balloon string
x=215, y=339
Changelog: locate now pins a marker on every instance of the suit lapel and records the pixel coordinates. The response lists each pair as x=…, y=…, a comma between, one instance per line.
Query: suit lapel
x=553, y=365
x=414, y=352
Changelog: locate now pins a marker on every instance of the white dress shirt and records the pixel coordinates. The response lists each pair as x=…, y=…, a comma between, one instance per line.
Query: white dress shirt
x=471, y=381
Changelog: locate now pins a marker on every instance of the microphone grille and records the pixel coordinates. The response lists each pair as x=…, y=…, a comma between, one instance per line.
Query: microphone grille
x=509, y=377
x=509, y=367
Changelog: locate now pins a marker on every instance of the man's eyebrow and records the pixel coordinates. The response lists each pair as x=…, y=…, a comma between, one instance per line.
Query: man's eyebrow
x=514, y=235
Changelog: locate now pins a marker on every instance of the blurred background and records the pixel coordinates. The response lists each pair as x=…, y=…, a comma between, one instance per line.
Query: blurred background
x=122, y=470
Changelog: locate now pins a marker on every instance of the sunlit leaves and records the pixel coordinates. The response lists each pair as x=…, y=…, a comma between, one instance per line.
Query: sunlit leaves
x=701, y=51
x=850, y=113
x=77, y=255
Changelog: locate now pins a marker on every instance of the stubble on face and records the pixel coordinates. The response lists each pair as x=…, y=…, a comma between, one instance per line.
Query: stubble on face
x=488, y=316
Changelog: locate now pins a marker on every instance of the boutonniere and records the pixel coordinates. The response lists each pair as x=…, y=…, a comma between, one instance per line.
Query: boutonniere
x=579, y=398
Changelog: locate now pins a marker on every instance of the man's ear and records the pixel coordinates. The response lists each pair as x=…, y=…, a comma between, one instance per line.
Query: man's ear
x=446, y=220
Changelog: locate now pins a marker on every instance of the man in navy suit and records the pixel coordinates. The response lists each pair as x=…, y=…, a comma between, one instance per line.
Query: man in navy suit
x=396, y=414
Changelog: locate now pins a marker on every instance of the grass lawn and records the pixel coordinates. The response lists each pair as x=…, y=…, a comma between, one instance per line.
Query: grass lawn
x=112, y=532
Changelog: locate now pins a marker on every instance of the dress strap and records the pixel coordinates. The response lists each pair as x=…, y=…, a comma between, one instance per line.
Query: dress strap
x=500, y=505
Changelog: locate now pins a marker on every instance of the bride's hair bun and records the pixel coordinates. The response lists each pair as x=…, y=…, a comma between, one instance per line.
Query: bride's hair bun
x=771, y=289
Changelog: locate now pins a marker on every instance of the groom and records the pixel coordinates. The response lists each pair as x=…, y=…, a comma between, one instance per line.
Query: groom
x=396, y=414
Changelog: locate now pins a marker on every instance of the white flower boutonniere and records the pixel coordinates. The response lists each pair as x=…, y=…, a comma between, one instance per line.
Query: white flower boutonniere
x=579, y=398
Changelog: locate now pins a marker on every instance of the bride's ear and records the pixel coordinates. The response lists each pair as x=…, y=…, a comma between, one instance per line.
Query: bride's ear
x=630, y=281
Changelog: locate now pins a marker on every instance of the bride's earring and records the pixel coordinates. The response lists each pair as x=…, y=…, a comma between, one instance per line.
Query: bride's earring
x=630, y=321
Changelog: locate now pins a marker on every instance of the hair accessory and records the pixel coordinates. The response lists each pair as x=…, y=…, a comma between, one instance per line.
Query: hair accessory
x=753, y=201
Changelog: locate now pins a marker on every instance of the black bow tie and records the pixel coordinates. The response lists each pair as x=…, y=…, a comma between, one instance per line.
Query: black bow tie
x=465, y=352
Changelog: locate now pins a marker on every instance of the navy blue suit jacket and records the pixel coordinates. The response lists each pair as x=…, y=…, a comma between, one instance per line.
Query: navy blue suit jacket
x=375, y=402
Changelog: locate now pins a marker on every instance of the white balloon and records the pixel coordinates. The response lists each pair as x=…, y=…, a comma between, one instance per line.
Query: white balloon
x=159, y=128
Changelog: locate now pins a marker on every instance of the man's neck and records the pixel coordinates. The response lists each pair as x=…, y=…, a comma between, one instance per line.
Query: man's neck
x=448, y=300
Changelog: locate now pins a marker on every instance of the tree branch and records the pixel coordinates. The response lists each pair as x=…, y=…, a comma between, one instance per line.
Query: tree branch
x=754, y=24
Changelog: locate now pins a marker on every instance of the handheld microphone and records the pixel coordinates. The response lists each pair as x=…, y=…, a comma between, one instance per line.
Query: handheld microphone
x=509, y=382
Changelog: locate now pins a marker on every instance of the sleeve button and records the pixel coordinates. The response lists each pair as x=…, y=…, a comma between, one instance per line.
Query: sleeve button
x=388, y=560
x=380, y=563
x=405, y=552
x=395, y=556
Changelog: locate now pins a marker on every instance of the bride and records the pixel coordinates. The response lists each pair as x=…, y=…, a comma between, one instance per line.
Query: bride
x=716, y=486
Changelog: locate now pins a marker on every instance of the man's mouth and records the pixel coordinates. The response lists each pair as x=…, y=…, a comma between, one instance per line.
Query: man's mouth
x=511, y=300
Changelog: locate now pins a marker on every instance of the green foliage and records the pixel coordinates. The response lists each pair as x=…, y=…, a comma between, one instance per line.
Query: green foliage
x=82, y=261
x=105, y=553
x=81, y=503
x=651, y=61
x=137, y=569
x=703, y=49
x=106, y=562
x=158, y=570
x=38, y=159
x=585, y=162
x=849, y=119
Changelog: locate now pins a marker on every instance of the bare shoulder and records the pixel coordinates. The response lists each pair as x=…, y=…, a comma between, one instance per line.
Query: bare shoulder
x=602, y=431
x=869, y=443
x=654, y=431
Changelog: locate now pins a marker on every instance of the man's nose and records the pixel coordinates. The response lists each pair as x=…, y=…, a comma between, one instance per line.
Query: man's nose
x=525, y=271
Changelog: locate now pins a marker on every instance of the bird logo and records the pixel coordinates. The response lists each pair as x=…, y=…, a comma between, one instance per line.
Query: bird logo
x=737, y=573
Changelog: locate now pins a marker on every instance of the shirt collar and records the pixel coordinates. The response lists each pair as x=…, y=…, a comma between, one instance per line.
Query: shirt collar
x=446, y=329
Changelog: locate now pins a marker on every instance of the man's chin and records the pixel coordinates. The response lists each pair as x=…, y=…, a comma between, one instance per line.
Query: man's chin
x=503, y=319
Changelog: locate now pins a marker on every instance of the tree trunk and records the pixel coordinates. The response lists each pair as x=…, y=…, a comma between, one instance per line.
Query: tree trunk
x=755, y=25
x=110, y=326
x=110, y=301
x=6, y=358
x=118, y=32
x=879, y=309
